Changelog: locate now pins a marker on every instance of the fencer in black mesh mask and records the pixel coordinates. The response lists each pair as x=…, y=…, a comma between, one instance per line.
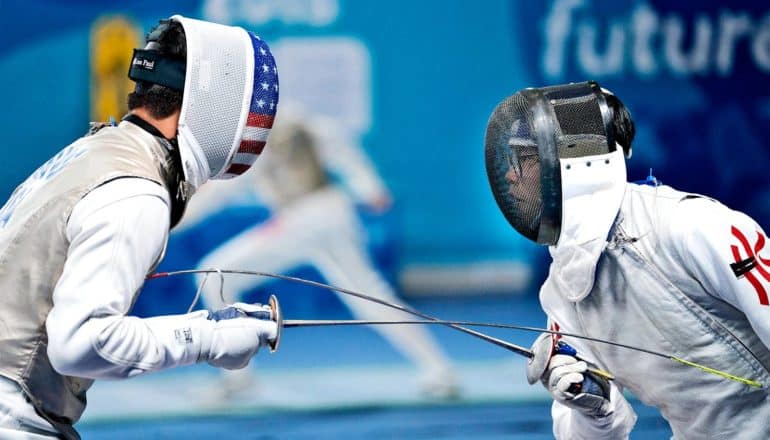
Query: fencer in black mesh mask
x=641, y=264
x=528, y=135
x=557, y=173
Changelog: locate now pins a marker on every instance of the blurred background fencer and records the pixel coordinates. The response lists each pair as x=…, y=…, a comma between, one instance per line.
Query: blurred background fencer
x=313, y=179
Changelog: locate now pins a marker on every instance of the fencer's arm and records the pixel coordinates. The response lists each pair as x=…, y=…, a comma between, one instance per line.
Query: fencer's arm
x=116, y=233
x=346, y=159
x=705, y=234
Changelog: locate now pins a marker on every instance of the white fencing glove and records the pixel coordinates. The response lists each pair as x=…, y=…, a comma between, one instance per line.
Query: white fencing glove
x=239, y=331
x=567, y=378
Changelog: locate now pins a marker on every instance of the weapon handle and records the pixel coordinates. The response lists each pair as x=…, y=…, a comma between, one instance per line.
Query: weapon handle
x=278, y=318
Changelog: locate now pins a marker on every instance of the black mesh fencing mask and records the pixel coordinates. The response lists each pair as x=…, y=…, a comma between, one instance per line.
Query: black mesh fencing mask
x=527, y=135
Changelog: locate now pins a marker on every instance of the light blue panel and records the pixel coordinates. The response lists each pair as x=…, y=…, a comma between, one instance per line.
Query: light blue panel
x=438, y=68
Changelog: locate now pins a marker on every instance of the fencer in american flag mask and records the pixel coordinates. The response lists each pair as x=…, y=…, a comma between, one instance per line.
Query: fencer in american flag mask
x=230, y=97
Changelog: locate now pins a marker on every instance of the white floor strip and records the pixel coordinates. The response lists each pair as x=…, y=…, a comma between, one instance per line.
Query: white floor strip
x=196, y=390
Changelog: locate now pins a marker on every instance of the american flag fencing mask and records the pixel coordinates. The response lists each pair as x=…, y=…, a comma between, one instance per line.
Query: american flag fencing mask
x=230, y=97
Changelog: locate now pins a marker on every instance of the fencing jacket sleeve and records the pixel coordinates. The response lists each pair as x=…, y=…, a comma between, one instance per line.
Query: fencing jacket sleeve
x=117, y=233
x=725, y=250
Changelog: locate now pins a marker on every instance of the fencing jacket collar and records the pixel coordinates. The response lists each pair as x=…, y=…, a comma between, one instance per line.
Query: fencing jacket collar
x=179, y=190
x=592, y=191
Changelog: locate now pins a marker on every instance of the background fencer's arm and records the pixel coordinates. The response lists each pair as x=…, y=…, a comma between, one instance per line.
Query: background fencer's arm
x=705, y=234
x=116, y=233
x=343, y=157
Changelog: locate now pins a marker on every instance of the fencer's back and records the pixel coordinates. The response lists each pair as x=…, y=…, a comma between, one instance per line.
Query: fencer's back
x=33, y=251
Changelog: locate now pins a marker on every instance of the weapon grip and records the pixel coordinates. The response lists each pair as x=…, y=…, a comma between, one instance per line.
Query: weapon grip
x=592, y=383
x=275, y=310
x=274, y=314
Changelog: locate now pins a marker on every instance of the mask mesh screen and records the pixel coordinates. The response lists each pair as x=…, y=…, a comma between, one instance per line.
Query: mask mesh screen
x=513, y=165
x=215, y=88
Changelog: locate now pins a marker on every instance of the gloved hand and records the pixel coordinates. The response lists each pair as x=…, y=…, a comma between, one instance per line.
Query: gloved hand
x=567, y=378
x=239, y=331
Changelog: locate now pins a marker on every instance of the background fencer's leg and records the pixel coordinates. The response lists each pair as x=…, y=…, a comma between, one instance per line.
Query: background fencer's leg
x=261, y=248
x=343, y=264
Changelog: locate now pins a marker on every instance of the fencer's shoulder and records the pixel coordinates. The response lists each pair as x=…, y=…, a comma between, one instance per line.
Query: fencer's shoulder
x=127, y=187
x=645, y=207
x=700, y=218
x=124, y=132
x=674, y=216
x=114, y=192
x=101, y=137
x=650, y=192
x=659, y=201
x=100, y=129
x=96, y=127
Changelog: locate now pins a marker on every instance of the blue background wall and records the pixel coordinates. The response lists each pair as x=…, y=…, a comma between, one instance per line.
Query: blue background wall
x=695, y=75
x=416, y=82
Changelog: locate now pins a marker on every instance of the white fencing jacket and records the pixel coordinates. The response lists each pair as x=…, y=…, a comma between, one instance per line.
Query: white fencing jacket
x=684, y=275
x=108, y=241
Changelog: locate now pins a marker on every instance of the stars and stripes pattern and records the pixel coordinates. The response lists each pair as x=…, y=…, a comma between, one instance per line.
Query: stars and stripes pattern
x=264, y=103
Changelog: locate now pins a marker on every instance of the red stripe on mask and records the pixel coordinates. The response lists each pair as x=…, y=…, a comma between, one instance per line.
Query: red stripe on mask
x=253, y=147
x=260, y=120
x=237, y=169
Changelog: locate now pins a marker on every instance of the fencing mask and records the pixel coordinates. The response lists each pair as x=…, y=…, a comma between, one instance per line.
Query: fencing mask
x=291, y=166
x=230, y=96
x=528, y=137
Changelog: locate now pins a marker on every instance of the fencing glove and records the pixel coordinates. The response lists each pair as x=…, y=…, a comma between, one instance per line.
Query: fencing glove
x=239, y=331
x=567, y=379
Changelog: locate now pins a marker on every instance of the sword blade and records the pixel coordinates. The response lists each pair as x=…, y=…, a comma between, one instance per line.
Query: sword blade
x=454, y=324
x=499, y=342
x=512, y=347
x=341, y=322
x=338, y=322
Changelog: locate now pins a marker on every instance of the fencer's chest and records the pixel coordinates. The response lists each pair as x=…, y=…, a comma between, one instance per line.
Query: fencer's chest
x=630, y=303
x=634, y=302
